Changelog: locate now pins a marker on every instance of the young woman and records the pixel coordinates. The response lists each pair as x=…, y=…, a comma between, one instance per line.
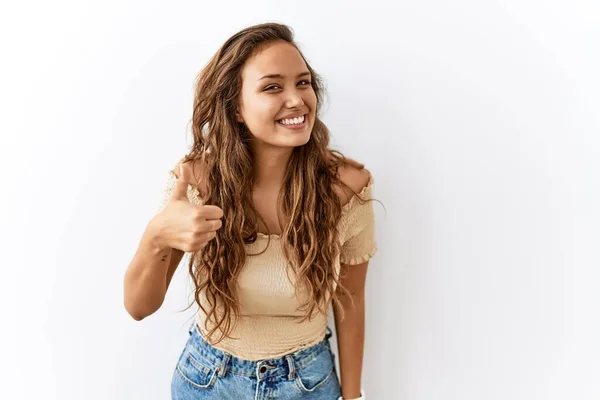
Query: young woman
x=279, y=226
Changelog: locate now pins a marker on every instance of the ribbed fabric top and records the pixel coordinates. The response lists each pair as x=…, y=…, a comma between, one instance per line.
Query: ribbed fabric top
x=268, y=325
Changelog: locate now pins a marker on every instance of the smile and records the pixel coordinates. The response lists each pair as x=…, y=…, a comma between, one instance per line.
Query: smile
x=294, y=123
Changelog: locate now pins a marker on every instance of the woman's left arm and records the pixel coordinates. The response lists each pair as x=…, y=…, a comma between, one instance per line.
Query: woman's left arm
x=351, y=331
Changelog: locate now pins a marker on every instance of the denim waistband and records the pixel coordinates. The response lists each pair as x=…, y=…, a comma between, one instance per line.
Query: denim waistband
x=280, y=366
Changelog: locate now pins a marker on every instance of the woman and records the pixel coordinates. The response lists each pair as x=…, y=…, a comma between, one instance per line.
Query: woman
x=278, y=225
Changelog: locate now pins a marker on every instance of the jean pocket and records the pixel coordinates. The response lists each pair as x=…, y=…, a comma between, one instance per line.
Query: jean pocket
x=315, y=374
x=196, y=371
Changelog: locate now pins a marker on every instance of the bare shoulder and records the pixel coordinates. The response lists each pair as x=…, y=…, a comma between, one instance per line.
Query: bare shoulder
x=355, y=177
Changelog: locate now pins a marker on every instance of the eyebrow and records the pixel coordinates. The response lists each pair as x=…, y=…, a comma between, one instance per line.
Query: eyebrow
x=281, y=76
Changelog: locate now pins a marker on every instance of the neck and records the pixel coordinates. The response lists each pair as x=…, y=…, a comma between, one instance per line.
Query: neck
x=270, y=165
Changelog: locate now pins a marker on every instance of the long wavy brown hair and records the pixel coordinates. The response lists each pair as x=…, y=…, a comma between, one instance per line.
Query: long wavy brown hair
x=309, y=208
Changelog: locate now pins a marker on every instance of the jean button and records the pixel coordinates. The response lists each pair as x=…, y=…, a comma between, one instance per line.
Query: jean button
x=263, y=368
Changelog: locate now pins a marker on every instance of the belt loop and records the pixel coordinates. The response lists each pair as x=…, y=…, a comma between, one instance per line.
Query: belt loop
x=223, y=366
x=292, y=367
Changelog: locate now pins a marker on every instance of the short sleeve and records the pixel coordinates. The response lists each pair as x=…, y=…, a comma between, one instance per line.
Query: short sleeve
x=168, y=190
x=358, y=229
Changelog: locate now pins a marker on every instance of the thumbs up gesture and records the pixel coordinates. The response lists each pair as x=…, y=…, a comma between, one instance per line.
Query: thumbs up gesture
x=185, y=226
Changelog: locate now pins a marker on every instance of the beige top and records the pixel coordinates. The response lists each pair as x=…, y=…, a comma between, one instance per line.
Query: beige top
x=267, y=326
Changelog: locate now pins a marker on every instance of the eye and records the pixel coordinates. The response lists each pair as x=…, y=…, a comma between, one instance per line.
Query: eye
x=304, y=82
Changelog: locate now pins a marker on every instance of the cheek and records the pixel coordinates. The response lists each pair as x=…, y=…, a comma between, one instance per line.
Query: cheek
x=263, y=110
x=311, y=100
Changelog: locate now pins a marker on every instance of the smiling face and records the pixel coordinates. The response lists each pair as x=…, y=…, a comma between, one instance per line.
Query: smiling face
x=276, y=88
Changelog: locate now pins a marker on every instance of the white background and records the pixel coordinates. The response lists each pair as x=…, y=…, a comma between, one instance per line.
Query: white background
x=479, y=120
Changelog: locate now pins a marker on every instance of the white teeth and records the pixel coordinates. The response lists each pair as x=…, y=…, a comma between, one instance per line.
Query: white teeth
x=293, y=121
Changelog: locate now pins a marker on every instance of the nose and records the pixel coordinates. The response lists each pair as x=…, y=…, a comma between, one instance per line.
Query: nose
x=294, y=99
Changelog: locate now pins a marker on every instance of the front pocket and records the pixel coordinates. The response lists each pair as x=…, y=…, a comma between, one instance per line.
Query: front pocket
x=196, y=372
x=314, y=375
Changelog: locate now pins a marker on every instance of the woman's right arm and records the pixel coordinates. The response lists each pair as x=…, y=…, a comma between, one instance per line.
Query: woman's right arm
x=181, y=226
x=149, y=274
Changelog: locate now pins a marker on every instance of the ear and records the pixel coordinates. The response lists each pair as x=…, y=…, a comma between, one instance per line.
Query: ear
x=238, y=116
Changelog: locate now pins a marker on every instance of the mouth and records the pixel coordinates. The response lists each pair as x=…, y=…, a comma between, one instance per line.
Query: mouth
x=294, y=123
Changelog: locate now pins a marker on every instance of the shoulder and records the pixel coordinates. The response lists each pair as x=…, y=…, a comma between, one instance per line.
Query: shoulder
x=356, y=178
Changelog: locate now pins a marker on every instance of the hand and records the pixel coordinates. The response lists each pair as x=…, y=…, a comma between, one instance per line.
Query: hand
x=185, y=226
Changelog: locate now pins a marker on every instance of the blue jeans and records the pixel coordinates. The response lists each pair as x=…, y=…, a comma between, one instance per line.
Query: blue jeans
x=205, y=372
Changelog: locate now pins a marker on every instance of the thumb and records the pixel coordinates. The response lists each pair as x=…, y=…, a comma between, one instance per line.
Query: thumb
x=181, y=186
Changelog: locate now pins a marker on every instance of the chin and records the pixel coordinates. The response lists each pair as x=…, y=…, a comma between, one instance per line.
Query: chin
x=298, y=141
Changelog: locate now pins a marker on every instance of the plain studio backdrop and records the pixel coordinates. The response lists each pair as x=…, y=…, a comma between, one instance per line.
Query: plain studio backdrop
x=478, y=119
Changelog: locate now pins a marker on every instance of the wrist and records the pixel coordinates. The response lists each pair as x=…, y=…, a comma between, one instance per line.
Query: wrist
x=361, y=397
x=152, y=238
